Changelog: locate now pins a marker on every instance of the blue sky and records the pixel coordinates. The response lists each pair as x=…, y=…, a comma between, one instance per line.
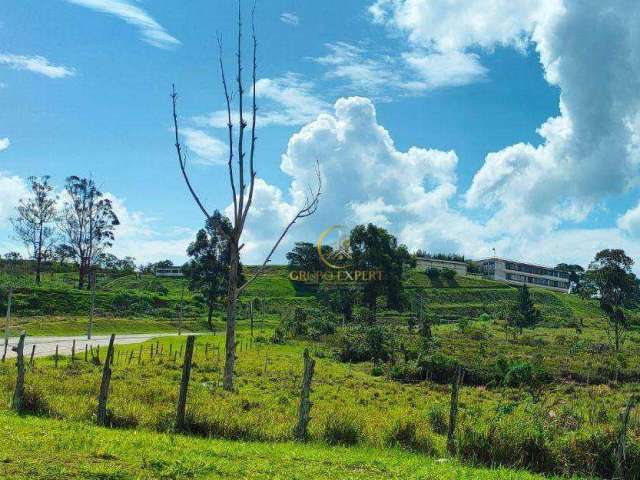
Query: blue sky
x=441, y=132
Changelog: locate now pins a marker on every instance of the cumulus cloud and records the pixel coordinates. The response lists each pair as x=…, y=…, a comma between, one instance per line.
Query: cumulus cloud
x=364, y=178
x=591, y=150
x=12, y=189
x=4, y=143
x=36, y=64
x=152, y=32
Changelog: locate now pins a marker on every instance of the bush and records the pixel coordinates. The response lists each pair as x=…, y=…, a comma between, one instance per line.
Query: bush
x=439, y=368
x=364, y=344
x=448, y=274
x=340, y=429
x=34, y=402
x=519, y=374
x=433, y=273
x=405, y=434
x=437, y=418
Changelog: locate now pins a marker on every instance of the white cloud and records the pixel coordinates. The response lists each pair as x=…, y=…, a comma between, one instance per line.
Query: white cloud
x=4, y=143
x=446, y=69
x=36, y=64
x=209, y=150
x=288, y=100
x=290, y=18
x=364, y=177
x=365, y=71
x=456, y=25
x=152, y=32
x=12, y=189
x=592, y=149
x=630, y=221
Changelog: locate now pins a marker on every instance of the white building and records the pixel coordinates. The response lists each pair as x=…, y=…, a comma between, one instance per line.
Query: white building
x=518, y=273
x=169, y=272
x=425, y=264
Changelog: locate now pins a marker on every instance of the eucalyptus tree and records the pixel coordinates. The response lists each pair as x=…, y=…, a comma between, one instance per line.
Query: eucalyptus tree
x=34, y=223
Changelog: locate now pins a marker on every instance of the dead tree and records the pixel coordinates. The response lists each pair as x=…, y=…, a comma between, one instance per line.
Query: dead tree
x=242, y=194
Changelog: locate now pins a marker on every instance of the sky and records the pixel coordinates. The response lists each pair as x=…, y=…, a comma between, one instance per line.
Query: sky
x=460, y=125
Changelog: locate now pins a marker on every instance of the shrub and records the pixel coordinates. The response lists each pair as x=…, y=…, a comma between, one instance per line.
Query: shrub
x=363, y=344
x=518, y=375
x=377, y=370
x=34, y=402
x=448, y=274
x=433, y=273
x=439, y=367
x=437, y=418
x=340, y=429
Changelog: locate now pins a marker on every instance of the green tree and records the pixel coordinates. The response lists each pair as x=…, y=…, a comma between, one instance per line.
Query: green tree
x=88, y=223
x=576, y=274
x=34, y=223
x=609, y=278
x=305, y=256
x=523, y=313
x=373, y=248
x=208, y=269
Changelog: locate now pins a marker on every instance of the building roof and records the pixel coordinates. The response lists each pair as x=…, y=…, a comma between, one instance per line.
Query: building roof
x=426, y=259
x=516, y=261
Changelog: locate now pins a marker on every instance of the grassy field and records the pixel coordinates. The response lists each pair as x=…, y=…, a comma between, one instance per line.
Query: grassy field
x=76, y=451
x=563, y=428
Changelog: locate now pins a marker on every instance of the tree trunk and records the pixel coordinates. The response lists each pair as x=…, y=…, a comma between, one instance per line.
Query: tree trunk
x=232, y=299
x=210, y=312
x=184, y=383
x=7, y=324
x=39, y=256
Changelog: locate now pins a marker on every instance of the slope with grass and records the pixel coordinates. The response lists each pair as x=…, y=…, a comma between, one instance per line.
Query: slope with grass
x=75, y=451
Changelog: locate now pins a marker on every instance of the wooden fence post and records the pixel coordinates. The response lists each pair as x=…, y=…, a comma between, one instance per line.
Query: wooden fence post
x=56, y=356
x=86, y=353
x=104, y=385
x=184, y=383
x=17, y=402
x=130, y=357
x=300, y=433
x=453, y=413
x=140, y=355
x=33, y=351
x=621, y=447
x=73, y=351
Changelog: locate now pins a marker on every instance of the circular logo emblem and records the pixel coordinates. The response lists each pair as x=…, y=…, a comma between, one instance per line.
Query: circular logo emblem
x=336, y=237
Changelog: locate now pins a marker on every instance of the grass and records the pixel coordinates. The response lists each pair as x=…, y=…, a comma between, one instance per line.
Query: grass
x=77, y=451
x=496, y=426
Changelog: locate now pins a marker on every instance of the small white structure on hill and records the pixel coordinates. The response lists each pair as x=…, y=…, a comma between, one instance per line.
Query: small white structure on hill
x=424, y=264
x=169, y=272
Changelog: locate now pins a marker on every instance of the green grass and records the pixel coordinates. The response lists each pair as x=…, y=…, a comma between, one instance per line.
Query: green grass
x=572, y=426
x=39, y=449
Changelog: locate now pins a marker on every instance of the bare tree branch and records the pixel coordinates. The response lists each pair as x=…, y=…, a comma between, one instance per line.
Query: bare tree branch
x=181, y=157
x=230, y=127
x=243, y=125
x=308, y=209
x=253, y=115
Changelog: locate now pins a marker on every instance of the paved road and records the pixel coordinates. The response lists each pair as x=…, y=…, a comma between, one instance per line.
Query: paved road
x=46, y=346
